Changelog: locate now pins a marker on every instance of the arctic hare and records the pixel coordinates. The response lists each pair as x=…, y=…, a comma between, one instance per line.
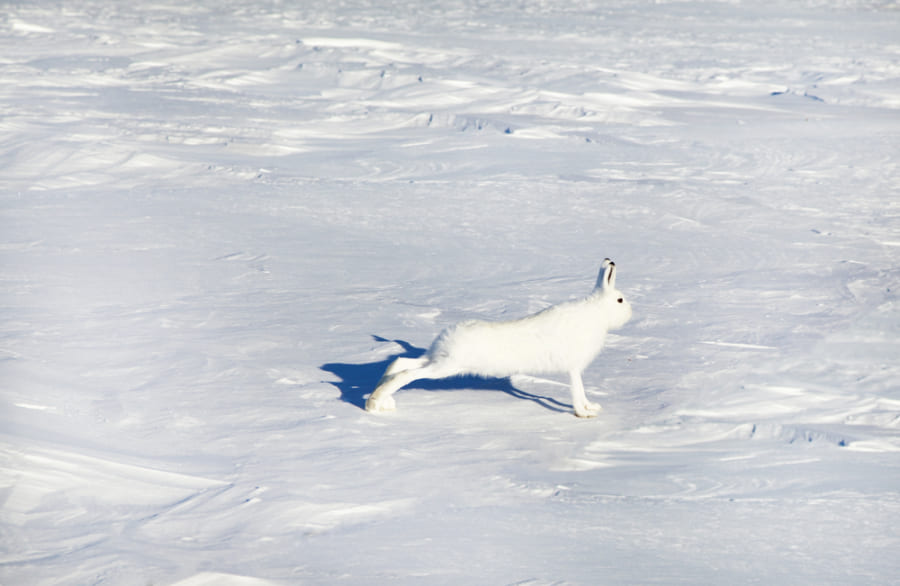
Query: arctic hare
x=563, y=338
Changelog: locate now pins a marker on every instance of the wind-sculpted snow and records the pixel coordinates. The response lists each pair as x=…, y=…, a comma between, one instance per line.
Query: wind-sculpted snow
x=221, y=221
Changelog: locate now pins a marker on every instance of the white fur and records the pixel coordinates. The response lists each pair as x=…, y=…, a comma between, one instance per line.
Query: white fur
x=564, y=338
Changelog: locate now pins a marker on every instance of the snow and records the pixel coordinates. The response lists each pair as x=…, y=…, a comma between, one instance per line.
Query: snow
x=221, y=220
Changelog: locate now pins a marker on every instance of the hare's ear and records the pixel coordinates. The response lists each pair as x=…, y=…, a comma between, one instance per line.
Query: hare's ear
x=609, y=274
x=607, y=278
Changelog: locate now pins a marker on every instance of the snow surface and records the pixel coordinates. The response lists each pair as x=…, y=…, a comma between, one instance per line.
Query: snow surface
x=221, y=220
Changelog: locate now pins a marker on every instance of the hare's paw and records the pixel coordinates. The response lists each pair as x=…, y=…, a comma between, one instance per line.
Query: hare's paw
x=592, y=406
x=587, y=409
x=380, y=404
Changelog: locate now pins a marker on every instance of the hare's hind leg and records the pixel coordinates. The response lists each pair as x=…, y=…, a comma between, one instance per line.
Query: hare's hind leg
x=381, y=399
x=583, y=407
x=401, y=364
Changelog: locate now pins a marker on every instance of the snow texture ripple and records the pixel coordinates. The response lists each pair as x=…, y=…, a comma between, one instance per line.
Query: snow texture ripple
x=220, y=221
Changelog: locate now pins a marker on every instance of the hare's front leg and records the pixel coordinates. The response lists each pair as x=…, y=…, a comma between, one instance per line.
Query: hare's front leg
x=583, y=407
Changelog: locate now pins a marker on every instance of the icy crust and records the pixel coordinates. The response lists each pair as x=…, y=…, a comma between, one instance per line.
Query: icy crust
x=221, y=221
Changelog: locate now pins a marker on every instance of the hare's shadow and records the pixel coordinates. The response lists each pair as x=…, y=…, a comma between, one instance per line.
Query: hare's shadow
x=358, y=380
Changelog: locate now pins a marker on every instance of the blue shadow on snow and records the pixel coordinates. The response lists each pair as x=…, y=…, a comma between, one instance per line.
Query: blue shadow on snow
x=358, y=380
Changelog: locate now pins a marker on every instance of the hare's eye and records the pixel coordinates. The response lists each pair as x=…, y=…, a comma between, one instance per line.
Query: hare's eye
x=621, y=300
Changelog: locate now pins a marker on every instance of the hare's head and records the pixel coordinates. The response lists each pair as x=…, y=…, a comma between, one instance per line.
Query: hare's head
x=615, y=305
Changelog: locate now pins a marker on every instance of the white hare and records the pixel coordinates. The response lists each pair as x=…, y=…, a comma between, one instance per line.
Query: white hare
x=563, y=338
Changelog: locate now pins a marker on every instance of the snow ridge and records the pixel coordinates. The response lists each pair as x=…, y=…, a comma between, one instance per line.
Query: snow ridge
x=221, y=221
